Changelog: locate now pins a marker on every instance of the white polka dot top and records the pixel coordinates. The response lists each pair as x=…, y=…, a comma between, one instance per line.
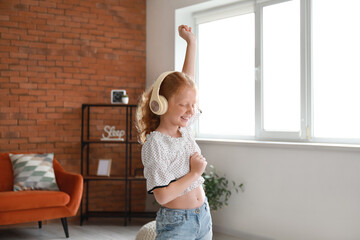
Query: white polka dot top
x=166, y=158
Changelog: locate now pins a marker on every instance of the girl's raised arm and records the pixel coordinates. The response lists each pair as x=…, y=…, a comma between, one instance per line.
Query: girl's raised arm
x=190, y=56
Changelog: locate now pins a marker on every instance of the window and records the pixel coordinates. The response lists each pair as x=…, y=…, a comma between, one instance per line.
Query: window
x=335, y=75
x=280, y=70
x=281, y=67
x=226, y=58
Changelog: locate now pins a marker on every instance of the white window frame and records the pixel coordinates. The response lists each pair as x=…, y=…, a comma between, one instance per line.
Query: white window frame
x=260, y=132
x=306, y=115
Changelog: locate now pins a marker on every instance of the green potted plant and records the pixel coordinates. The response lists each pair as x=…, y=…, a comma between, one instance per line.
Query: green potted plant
x=218, y=189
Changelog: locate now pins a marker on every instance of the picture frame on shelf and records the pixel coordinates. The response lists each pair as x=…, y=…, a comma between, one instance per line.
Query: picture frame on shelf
x=104, y=167
x=117, y=95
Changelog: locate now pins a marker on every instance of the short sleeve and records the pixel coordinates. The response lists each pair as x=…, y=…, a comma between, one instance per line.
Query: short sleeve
x=155, y=165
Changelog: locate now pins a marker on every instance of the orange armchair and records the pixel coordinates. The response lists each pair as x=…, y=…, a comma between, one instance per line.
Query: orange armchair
x=34, y=205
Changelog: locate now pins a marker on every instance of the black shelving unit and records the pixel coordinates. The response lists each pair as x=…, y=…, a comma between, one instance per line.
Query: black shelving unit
x=128, y=178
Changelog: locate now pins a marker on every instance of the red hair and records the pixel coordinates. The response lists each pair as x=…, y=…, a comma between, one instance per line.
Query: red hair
x=146, y=120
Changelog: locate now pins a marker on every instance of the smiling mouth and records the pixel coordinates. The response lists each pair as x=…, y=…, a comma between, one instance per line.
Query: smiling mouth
x=185, y=118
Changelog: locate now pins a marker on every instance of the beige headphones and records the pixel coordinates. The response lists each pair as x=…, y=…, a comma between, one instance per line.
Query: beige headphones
x=158, y=104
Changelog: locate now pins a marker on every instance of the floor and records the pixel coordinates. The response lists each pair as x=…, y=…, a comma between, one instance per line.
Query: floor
x=94, y=229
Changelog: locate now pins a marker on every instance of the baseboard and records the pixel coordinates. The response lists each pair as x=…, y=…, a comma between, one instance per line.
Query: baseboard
x=238, y=234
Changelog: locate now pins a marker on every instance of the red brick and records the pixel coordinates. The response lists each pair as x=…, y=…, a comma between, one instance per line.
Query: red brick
x=54, y=116
x=64, y=63
x=46, y=63
x=28, y=62
x=4, y=29
x=18, y=18
x=29, y=38
x=71, y=35
x=18, y=67
x=31, y=146
x=38, y=9
x=18, y=140
x=47, y=4
x=54, y=69
x=36, y=69
x=8, y=49
x=19, y=43
x=10, y=36
x=28, y=25
x=19, y=91
x=37, y=93
x=46, y=110
x=4, y=18
x=55, y=22
x=55, y=104
x=36, y=32
x=8, y=24
x=37, y=139
x=19, y=79
x=45, y=122
x=63, y=41
x=56, y=11
x=47, y=39
x=46, y=27
x=37, y=105
x=72, y=24
x=4, y=66
x=8, y=122
x=72, y=82
x=30, y=2
x=71, y=69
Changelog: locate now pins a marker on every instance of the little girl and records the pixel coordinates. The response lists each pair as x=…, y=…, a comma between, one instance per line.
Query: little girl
x=172, y=160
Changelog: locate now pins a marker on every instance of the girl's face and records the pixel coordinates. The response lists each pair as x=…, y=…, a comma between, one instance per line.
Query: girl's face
x=181, y=107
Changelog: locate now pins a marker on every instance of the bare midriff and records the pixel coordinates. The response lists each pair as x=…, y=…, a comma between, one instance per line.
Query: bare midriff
x=190, y=200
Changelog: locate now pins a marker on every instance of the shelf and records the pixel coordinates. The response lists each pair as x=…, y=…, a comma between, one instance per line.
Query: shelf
x=129, y=176
x=100, y=141
x=108, y=105
x=103, y=178
x=137, y=178
x=104, y=142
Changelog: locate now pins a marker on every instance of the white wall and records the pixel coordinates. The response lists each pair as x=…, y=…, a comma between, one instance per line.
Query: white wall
x=292, y=192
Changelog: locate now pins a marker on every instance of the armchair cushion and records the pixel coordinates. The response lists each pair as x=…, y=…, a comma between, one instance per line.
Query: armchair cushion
x=33, y=172
x=11, y=201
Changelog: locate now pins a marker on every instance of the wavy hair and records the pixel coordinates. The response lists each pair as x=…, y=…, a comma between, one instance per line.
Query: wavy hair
x=146, y=120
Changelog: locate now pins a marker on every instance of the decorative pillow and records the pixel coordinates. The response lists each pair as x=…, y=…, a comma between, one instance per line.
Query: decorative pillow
x=33, y=172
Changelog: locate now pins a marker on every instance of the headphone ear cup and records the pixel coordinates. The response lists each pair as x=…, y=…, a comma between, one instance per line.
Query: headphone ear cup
x=163, y=105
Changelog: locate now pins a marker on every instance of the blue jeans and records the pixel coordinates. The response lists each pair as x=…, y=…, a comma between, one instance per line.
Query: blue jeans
x=184, y=224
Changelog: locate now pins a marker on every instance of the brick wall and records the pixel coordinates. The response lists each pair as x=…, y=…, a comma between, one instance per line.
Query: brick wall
x=56, y=55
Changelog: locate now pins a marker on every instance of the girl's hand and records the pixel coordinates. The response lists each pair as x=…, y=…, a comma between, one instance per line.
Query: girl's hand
x=186, y=34
x=197, y=163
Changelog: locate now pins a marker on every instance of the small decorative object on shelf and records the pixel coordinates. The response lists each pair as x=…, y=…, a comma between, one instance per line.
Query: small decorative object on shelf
x=112, y=134
x=125, y=99
x=104, y=167
x=117, y=95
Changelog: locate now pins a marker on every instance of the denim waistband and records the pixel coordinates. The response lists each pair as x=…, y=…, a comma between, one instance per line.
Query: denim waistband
x=195, y=211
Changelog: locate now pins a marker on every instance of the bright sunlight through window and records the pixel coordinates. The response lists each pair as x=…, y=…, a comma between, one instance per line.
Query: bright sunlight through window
x=336, y=75
x=226, y=77
x=281, y=66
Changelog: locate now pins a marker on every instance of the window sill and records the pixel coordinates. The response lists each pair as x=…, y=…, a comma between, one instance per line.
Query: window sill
x=298, y=145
